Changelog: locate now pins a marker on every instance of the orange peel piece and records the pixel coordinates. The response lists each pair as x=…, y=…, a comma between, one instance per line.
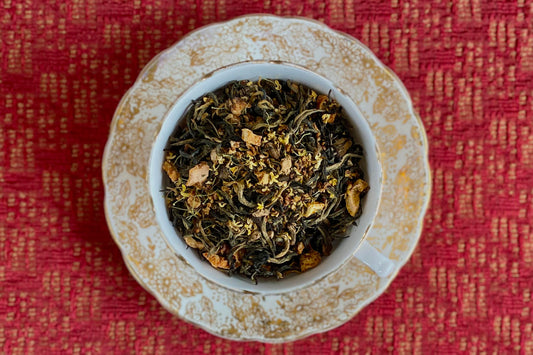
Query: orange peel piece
x=198, y=174
x=353, y=195
x=309, y=260
x=171, y=171
x=250, y=137
x=217, y=261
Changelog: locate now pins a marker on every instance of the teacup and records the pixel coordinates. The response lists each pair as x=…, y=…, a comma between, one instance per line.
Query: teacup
x=343, y=249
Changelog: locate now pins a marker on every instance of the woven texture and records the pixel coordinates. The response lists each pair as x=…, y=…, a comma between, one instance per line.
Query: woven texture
x=468, y=65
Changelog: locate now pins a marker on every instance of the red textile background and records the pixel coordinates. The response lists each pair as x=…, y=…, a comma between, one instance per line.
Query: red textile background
x=468, y=65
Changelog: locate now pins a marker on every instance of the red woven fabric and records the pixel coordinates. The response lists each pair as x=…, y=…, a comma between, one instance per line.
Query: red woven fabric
x=468, y=65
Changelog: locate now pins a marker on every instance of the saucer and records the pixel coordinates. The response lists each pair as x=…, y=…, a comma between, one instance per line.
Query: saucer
x=383, y=102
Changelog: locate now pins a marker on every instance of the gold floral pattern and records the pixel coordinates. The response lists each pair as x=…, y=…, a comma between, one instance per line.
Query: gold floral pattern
x=383, y=101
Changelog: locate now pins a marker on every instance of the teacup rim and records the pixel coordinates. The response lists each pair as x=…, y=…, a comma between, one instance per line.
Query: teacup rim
x=169, y=112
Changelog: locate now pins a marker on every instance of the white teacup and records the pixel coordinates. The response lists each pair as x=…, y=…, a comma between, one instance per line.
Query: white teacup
x=343, y=249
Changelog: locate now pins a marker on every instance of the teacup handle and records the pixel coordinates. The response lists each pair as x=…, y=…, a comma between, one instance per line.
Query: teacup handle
x=372, y=258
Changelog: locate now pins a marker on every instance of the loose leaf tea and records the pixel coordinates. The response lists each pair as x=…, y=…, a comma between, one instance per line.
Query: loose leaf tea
x=263, y=177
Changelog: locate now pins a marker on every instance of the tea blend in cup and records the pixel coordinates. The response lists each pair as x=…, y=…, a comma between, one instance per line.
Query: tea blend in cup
x=262, y=177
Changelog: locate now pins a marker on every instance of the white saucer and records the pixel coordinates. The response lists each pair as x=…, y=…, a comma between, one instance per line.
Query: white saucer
x=383, y=101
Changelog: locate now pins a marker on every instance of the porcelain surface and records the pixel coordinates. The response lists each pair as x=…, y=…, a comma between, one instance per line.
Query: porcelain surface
x=383, y=102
